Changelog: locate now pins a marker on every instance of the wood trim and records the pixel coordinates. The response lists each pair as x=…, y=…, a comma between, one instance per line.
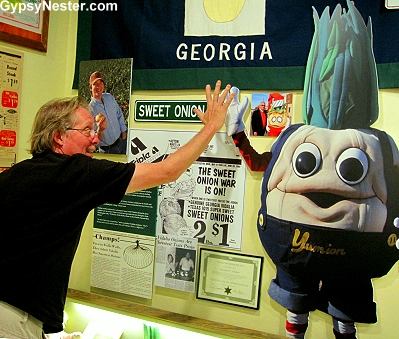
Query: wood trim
x=25, y=38
x=168, y=318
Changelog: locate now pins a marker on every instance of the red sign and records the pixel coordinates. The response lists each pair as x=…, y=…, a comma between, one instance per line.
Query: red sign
x=8, y=138
x=9, y=99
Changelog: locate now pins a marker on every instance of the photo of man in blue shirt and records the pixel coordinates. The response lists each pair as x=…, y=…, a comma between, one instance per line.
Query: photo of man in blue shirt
x=114, y=138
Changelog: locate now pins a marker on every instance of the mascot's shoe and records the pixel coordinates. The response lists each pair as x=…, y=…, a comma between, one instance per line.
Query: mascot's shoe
x=344, y=335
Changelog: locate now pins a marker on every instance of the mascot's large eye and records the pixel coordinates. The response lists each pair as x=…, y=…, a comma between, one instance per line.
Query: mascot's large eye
x=352, y=166
x=306, y=159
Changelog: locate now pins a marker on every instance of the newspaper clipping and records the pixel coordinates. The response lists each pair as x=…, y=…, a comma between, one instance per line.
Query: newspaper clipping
x=123, y=262
x=175, y=262
x=206, y=202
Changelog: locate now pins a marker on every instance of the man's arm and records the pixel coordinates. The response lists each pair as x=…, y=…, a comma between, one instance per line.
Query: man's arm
x=149, y=175
x=257, y=162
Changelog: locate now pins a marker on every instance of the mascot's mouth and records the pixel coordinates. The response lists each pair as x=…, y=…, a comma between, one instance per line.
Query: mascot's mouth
x=324, y=200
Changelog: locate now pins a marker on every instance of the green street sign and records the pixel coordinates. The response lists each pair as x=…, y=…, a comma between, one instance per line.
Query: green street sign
x=168, y=110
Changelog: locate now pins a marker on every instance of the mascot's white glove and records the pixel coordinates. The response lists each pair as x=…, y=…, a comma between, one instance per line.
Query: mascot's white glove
x=235, y=112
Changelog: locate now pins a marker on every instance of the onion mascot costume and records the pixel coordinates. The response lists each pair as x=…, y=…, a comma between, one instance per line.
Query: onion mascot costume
x=329, y=208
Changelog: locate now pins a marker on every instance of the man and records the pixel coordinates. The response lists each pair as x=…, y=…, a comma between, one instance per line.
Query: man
x=186, y=264
x=113, y=139
x=47, y=198
x=259, y=120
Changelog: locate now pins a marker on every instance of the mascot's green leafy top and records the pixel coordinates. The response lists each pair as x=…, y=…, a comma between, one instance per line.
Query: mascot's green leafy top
x=341, y=87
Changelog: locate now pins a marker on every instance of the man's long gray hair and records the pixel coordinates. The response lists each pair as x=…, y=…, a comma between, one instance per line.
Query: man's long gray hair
x=56, y=116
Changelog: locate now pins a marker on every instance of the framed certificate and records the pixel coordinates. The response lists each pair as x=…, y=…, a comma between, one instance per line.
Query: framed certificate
x=25, y=23
x=229, y=278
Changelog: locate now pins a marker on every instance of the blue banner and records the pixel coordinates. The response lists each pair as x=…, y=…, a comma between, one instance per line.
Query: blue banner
x=253, y=44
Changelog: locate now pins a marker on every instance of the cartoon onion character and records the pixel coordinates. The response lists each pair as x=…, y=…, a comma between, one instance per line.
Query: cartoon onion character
x=329, y=213
x=278, y=118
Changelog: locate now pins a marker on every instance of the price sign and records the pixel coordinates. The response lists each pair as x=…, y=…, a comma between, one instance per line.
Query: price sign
x=9, y=99
x=8, y=138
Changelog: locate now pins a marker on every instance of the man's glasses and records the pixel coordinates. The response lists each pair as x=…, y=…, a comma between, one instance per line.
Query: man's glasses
x=87, y=132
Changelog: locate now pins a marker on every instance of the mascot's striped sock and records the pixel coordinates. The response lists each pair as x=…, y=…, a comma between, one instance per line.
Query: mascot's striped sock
x=296, y=324
x=344, y=330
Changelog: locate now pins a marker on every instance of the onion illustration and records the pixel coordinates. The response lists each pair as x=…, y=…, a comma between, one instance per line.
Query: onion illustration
x=174, y=224
x=223, y=10
x=169, y=206
x=184, y=189
x=137, y=256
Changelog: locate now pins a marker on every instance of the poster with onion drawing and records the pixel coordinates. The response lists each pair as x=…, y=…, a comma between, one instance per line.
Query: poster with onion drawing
x=122, y=262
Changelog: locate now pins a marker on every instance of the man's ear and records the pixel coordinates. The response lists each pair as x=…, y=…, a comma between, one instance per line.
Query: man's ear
x=58, y=139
